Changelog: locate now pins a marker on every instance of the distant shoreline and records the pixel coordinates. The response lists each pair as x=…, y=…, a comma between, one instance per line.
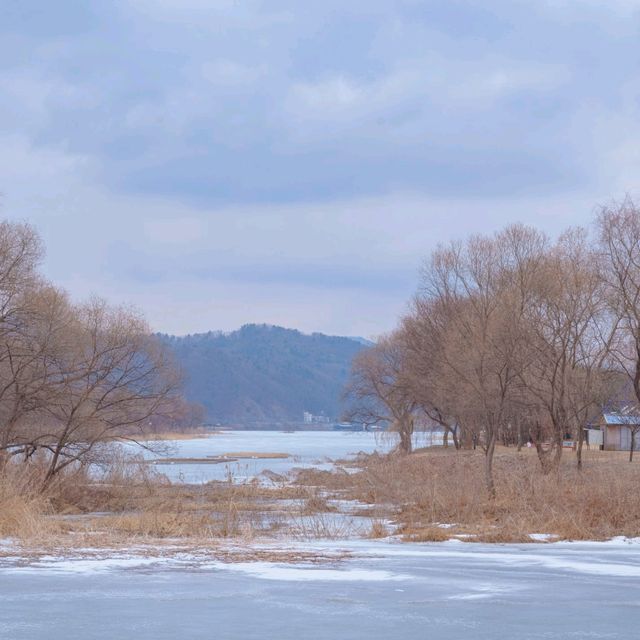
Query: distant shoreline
x=177, y=435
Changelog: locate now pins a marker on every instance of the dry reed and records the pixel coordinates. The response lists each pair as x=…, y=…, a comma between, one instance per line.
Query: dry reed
x=440, y=493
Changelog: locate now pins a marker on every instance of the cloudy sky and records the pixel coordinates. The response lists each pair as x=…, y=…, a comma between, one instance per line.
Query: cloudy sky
x=217, y=162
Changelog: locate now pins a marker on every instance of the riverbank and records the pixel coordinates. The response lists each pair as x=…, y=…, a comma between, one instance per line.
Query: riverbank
x=433, y=495
x=162, y=436
x=439, y=493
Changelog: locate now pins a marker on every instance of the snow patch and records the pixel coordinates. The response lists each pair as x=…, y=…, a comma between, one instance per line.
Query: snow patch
x=482, y=592
x=543, y=537
x=297, y=573
x=83, y=565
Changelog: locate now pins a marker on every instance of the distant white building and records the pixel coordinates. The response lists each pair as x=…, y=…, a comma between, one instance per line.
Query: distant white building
x=311, y=418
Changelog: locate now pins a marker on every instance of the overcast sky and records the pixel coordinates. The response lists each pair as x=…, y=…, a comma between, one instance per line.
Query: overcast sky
x=217, y=162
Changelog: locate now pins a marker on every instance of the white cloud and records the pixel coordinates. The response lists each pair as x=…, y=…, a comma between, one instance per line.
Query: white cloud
x=304, y=149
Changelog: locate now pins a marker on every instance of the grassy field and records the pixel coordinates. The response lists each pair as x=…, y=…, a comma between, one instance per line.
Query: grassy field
x=430, y=495
x=439, y=493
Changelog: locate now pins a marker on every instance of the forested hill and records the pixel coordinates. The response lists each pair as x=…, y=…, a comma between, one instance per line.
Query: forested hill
x=263, y=373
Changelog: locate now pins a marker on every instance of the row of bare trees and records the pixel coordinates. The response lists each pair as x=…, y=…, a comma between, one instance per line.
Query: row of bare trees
x=513, y=338
x=73, y=378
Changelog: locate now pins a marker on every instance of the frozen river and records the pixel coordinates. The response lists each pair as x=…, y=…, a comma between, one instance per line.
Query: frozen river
x=387, y=590
x=305, y=448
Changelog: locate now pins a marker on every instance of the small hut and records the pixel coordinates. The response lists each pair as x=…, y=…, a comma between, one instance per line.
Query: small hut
x=618, y=428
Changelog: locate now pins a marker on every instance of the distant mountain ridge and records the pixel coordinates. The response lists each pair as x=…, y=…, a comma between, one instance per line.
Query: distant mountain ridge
x=262, y=373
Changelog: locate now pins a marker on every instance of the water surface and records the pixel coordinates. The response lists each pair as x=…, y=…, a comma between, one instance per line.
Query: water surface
x=306, y=449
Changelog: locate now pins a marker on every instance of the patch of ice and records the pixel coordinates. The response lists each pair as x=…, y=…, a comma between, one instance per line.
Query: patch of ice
x=297, y=573
x=543, y=537
x=509, y=555
x=83, y=565
x=7, y=543
x=482, y=592
x=618, y=540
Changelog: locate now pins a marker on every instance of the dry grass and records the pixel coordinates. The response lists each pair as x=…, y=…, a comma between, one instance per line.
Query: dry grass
x=215, y=510
x=320, y=526
x=316, y=502
x=430, y=491
x=378, y=530
x=428, y=496
x=23, y=507
x=132, y=501
x=426, y=533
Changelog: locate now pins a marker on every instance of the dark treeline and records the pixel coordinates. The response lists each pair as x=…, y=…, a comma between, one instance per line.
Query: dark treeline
x=73, y=377
x=513, y=338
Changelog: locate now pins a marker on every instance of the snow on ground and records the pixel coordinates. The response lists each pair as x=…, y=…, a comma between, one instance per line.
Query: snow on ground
x=330, y=589
x=619, y=557
x=543, y=537
x=297, y=573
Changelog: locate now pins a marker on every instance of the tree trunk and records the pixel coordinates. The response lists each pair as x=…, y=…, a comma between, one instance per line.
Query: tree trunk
x=454, y=435
x=405, y=429
x=579, y=447
x=520, y=436
x=557, y=454
x=53, y=467
x=488, y=466
x=550, y=458
x=467, y=440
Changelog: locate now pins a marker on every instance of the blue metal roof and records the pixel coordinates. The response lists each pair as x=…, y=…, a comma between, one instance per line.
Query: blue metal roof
x=618, y=418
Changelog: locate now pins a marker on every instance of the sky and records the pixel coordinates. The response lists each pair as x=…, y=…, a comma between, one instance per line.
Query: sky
x=219, y=162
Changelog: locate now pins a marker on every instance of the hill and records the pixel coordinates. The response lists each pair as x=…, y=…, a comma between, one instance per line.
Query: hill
x=264, y=373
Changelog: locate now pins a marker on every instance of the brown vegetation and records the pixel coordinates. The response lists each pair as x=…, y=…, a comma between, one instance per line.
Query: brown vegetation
x=432, y=495
x=514, y=338
x=132, y=503
x=73, y=377
x=440, y=494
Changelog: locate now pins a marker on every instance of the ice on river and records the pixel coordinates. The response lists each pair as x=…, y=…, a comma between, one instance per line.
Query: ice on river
x=382, y=590
x=306, y=449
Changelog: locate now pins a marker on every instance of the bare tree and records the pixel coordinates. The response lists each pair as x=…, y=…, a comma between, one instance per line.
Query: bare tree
x=619, y=235
x=425, y=334
x=26, y=309
x=466, y=281
x=28, y=371
x=72, y=379
x=378, y=391
x=567, y=341
x=468, y=329
x=113, y=377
